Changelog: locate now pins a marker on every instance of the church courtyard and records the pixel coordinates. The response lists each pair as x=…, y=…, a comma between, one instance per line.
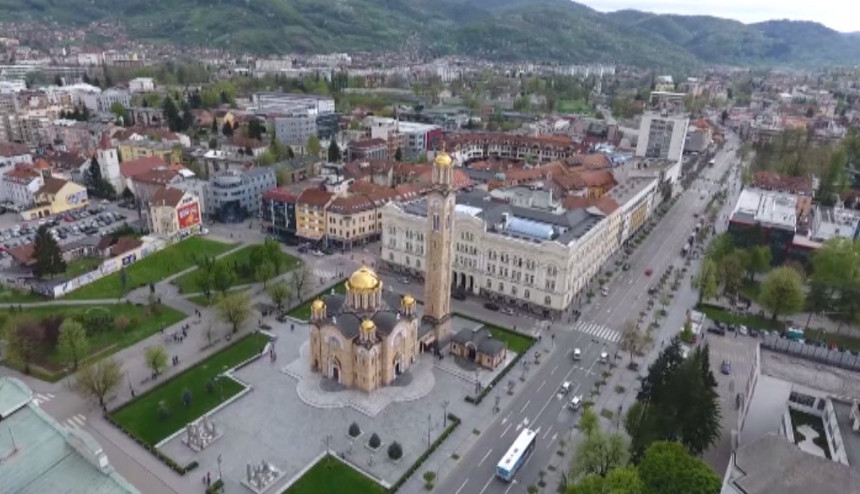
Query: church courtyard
x=274, y=423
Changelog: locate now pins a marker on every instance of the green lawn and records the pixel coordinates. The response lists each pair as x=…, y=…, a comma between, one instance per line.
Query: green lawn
x=78, y=267
x=718, y=314
x=331, y=475
x=303, y=312
x=15, y=296
x=574, y=106
x=141, y=324
x=188, y=284
x=750, y=290
x=201, y=299
x=845, y=341
x=516, y=342
x=140, y=417
x=152, y=269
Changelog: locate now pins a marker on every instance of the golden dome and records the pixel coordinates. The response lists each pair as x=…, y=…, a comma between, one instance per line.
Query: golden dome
x=367, y=326
x=408, y=300
x=317, y=305
x=443, y=159
x=363, y=280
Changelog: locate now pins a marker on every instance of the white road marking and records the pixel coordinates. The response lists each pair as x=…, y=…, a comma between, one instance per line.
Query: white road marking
x=485, y=457
x=541, y=385
x=486, y=485
x=553, y=370
x=547, y=432
x=461, y=486
x=511, y=486
x=524, y=406
x=506, y=430
x=554, y=437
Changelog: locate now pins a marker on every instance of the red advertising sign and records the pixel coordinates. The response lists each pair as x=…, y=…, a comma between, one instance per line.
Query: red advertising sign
x=189, y=215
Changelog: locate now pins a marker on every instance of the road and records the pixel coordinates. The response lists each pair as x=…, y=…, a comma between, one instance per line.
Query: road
x=539, y=406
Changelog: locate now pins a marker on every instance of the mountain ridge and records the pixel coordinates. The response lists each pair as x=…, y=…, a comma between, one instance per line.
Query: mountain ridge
x=542, y=30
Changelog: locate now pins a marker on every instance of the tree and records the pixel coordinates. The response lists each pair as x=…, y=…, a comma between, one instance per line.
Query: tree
x=204, y=278
x=374, y=441
x=278, y=292
x=186, y=397
x=49, y=258
x=632, y=339
x=599, y=453
x=782, y=292
x=223, y=277
x=757, y=260
x=619, y=481
x=334, y=154
x=99, y=379
x=256, y=129
x=300, y=277
x=708, y=280
x=155, y=358
x=398, y=154
x=119, y=110
x=24, y=336
x=354, y=430
x=666, y=468
x=395, y=451
x=95, y=181
x=227, y=129
x=720, y=247
x=313, y=146
x=214, y=128
x=818, y=300
x=733, y=273
x=171, y=114
x=270, y=251
x=264, y=272
x=234, y=309
x=72, y=342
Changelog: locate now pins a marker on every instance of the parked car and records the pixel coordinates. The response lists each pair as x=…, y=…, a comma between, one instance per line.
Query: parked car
x=508, y=311
x=626, y=267
x=604, y=291
x=742, y=330
x=717, y=330
x=726, y=367
x=404, y=280
x=491, y=306
x=458, y=295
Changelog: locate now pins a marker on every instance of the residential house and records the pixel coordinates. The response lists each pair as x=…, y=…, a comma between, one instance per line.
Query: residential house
x=131, y=168
x=297, y=170
x=278, y=212
x=12, y=154
x=20, y=185
x=311, y=206
x=56, y=196
x=174, y=212
x=136, y=149
x=223, y=116
x=141, y=85
x=367, y=149
x=146, y=184
x=242, y=146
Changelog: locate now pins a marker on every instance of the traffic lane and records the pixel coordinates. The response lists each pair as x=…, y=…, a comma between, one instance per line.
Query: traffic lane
x=477, y=469
x=541, y=412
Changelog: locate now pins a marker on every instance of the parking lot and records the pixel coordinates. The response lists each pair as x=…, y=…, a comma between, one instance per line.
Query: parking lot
x=96, y=221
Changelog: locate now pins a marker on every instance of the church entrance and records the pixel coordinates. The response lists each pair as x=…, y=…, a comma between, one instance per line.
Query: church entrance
x=334, y=369
x=397, y=366
x=473, y=351
x=335, y=374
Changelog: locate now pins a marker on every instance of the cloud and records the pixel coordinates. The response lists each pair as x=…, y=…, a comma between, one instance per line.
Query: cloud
x=836, y=14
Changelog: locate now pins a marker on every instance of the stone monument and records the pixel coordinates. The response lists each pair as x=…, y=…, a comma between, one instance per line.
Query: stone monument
x=200, y=434
x=259, y=477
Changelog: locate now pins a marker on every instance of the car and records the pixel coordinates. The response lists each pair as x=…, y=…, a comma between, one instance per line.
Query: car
x=743, y=330
x=648, y=272
x=604, y=291
x=652, y=290
x=491, y=306
x=508, y=311
x=604, y=356
x=754, y=332
x=282, y=317
x=626, y=266
x=565, y=387
x=717, y=330
x=458, y=295
x=726, y=367
x=575, y=403
x=577, y=354
x=105, y=201
x=404, y=280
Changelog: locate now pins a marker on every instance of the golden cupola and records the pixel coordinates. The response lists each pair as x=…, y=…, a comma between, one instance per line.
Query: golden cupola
x=364, y=290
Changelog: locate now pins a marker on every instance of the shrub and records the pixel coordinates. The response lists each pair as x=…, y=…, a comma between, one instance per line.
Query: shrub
x=355, y=430
x=163, y=410
x=395, y=451
x=210, y=386
x=186, y=397
x=374, y=441
x=121, y=322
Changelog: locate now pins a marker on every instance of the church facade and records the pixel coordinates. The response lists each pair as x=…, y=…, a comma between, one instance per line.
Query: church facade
x=363, y=341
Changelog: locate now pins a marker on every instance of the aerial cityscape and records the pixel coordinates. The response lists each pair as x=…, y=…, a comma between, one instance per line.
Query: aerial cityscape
x=486, y=247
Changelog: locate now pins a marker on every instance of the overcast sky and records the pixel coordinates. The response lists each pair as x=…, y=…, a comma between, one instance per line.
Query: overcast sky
x=842, y=15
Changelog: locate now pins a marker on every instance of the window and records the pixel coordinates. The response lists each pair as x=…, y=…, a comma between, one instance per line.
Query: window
x=489, y=283
x=513, y=290
x=547, y=300
x=435, y=222
x=501, y=287
x=526, y=294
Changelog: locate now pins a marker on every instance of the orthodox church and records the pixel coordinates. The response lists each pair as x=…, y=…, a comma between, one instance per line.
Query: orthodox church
x=364, y=341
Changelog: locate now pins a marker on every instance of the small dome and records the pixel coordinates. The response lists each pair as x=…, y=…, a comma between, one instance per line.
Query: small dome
x=363, y=280
x=367, y=326
x=408, y=300
x=443, y=159
x=317, y=305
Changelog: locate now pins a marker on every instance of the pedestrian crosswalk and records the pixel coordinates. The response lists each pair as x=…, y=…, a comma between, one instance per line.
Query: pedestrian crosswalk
x=325, y=274
x=40, y=398
x=76, y=422
x=597, y=331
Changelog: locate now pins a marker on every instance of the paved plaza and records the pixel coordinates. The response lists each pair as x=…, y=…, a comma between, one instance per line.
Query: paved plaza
x=274, y=422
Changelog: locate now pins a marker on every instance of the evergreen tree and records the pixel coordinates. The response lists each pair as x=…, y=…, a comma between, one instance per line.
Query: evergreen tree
x=290, y=153
x=398, y=155
x=187, y=116
x=171, y=114
x=214, y=126
x=227, y=129
x=256, y=129
x=333, y=151
x=49, y=258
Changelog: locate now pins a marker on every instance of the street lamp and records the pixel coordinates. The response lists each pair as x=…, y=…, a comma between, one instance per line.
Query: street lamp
x=445, y=413
x=428, y=429
x=219, y=466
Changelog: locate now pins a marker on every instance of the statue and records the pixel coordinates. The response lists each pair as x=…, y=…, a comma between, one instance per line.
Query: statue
x=200, y=434
x=259, y=477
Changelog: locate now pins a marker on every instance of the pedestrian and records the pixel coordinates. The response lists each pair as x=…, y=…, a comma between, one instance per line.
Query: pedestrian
x=208, y=479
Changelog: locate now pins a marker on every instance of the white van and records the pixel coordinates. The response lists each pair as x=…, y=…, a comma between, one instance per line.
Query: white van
x=577, y=354
x=604, y=356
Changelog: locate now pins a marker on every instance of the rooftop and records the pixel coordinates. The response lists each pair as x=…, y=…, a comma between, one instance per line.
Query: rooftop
x=769, y=208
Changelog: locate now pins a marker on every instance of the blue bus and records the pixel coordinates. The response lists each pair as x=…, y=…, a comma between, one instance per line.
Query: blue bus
x=517, y=455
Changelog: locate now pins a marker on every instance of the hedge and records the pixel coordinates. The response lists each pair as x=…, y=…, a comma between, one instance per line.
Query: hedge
x=170, y=462
x=455, y=421
x=216, y=487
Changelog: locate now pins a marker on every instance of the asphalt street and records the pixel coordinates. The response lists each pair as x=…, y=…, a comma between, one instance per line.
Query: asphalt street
x=539, y=406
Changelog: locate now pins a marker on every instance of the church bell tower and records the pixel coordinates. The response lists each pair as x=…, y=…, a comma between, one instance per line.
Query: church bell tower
x=440, y=226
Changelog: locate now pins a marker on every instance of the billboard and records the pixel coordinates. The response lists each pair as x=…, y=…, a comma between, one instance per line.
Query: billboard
x=188, y=215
